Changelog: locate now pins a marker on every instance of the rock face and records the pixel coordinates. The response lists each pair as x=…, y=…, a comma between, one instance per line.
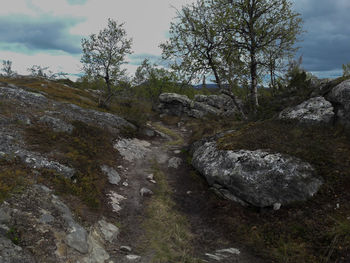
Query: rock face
x=256, y=177
x=179, y=105
x=57, y=238
x=340, y=97
x=314, y=110
x=37, y=108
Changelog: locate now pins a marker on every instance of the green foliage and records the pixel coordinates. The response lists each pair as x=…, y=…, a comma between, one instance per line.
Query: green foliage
x=103, y=55
x=13, y=235
x=233, y=40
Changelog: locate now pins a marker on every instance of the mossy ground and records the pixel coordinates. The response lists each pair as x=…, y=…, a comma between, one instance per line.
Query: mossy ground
x=313, y=231
x=86, y=149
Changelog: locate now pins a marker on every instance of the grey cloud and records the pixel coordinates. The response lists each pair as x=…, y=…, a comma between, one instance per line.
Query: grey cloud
x=76, y=2
x=136, y=59
x=43, y=33
x=326, y=43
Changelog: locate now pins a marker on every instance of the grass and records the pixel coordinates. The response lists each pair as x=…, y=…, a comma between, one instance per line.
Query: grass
x=14, y=177
x=131, y=109
x=86, y=149
x=167, y=232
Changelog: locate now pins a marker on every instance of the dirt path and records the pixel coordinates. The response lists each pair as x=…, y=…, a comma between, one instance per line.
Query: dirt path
x=180, y=222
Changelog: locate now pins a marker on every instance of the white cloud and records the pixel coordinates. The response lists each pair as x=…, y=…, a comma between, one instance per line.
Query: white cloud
x=146, y=21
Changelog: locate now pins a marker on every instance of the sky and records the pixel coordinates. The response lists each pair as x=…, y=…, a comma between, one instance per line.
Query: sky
x=49, y=32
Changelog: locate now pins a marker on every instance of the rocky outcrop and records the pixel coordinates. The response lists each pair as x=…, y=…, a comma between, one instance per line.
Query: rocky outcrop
x=57, y=115
x=202, y=105
x=258, y=178
x=340, y=97
x=314, y=110
x=40, y=218
x=35, y=108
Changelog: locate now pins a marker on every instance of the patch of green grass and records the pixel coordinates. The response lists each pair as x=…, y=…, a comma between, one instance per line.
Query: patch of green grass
x=167, y=232
x=13, y=235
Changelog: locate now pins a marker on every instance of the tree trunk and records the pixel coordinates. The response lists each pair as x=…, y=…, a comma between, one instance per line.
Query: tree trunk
x=254, y=81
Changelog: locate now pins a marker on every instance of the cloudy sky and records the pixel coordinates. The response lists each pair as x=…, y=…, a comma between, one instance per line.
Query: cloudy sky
x=48, y=32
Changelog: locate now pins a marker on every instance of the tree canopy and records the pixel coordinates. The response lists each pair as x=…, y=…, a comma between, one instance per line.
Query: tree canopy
x=104, y=54
x=233, y=40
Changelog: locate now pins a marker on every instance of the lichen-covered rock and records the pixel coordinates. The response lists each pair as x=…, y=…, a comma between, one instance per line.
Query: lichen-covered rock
x=257, y=177
x=201, y=106
x=340, y=97
x=11, y=253
x=113, y=175
x=23, y=97
x=57, y=125
x=104, y=120
x=314, y=110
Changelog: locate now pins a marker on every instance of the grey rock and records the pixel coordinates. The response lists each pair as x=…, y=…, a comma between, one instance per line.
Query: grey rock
x=201, y=106
x=5, y=216
x=257, y=177
x=97, y=253
x=113, y=175
x=125, y=249
x=11, y=253
x=174, y=162
x=46, y=218
x=35, y=160
x=57, y=125
x=133, y=257
x=104, y=120
x=77, y=238
x=340, y=97
x=108, y=230
x=314, y=110
x=23, y=97
x=148, y=132
x=145, y=192
x=132, y=149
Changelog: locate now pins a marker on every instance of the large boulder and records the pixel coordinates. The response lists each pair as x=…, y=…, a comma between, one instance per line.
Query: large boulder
x=258, y=177
x=174, y=104
x=340, y=97
x=201, y=106
x=314, y=110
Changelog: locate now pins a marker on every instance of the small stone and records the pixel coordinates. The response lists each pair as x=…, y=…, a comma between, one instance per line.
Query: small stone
x=46, y=218
x=113, y=176
x=125, y=184
x=177, y=151
x=145, y=192
x=133, y=257
x=174, y=162
x=153, y=181
x=4, y=216
x=150, y=177
x=108, y=230
x=233, y=251
x=189, y=192
x=276, y=206
x=125, y=249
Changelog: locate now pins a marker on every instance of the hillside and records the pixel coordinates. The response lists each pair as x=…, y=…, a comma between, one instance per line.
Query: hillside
x=131, y=184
